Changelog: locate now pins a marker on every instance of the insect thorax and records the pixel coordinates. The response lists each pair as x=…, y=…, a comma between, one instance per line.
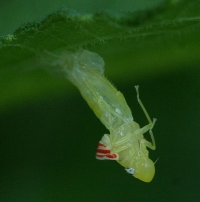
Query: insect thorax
x=128, y=144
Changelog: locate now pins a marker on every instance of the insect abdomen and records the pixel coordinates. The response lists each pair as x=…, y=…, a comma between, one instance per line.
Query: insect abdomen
x=107, y=103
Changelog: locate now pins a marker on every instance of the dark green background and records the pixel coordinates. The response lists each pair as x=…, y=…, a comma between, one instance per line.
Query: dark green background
x=48, y=147
x=48, y=144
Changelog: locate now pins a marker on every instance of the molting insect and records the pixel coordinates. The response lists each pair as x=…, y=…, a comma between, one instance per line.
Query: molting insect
x=125, y=143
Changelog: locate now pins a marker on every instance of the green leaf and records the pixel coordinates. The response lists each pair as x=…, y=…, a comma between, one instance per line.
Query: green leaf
x=133, y=45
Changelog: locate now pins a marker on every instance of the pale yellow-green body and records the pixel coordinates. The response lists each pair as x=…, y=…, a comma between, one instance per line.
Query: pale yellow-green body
x=85, y=70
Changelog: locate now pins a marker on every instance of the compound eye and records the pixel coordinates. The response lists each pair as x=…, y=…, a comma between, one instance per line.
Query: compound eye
x=130, y=171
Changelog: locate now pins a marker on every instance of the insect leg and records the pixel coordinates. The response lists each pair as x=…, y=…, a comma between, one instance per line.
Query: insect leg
x=151, y=123
x=153, y=144
x=118, y=144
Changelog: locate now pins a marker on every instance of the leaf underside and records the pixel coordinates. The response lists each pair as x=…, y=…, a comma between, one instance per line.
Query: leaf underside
x=135, y=44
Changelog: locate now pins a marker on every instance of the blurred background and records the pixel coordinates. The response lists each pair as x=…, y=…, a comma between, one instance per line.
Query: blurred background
x=15, y=13
x=48, y=144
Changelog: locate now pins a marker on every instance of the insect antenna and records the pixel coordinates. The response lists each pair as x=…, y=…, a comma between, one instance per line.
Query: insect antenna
x=156, y=160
